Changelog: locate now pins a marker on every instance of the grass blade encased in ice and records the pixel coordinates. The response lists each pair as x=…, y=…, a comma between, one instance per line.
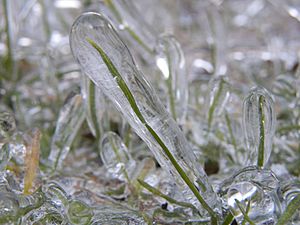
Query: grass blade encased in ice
x=106, y=60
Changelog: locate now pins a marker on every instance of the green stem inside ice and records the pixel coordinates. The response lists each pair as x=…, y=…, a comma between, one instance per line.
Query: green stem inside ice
x=228, y=122
x=129, y=96
x=214, y=104
x=92, y=104
x=170, y=86
x=261, y=146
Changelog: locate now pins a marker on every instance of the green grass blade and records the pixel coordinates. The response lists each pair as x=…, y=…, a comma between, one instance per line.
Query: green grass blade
x=228, y=219
x=261, y=147
x=245, y=213
x=289, y=211
x=169, y=199
x=214, y=104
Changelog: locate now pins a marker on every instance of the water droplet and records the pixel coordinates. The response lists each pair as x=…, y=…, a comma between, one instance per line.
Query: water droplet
x=116, y=157
x=259, y=125
x=170, y=60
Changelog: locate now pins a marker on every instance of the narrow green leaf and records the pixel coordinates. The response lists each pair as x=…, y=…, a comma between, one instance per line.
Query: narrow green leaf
x=214, y=104
x=246, y=217
x=261, y=147
x=228, y=219
x=289, y=211
x=169, y=199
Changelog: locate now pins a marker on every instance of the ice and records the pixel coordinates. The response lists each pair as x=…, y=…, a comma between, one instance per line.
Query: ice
x=146, y=112
x=218, y=97
x=259, y=126
x=94, y=105
x=116, y=157
x=69, y=121
x=260, y=189
x=171, y=62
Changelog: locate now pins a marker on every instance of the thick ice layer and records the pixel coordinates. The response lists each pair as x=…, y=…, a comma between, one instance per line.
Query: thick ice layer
x=95, y=27
x=259, y=126
x=170, y=60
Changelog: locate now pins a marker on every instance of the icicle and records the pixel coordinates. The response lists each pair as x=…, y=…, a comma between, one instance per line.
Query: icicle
x=170, y=60
x=259, y=126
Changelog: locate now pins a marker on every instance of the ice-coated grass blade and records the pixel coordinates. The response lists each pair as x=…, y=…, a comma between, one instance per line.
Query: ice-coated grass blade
x=94, y=106
x=116, y=157
x=259, y=125
x=156, y=192
x=107, y=61
x=228, y=219
x=245, y=212
x=31, y=160
x=70, y=119
x=170, y=60
x=228, y=123
x=218, y=97
x=289, y=211
x=135, y=108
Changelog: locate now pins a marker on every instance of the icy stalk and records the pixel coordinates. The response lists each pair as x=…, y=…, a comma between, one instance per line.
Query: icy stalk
x=170, y=60
x=259, y=126
x=107, y=61
x=69, y=121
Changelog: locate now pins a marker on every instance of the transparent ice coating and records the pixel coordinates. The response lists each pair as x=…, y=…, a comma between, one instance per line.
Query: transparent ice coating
x=259, y=125
x=69, y=121
x=170, y=60
x=260, y=187
x=116, y=157
x=218, y=97
x=94, y=105
x=97, y=28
